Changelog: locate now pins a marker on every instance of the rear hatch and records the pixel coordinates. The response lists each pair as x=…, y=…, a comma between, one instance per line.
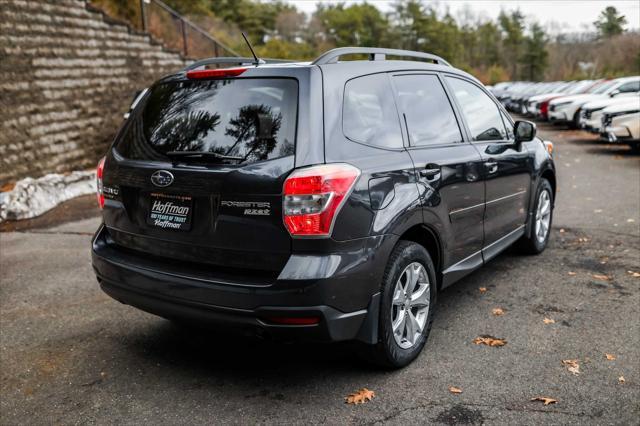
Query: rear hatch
x=195, y=176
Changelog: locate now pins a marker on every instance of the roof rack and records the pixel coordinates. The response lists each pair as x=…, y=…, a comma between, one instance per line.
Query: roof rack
x=233, y=60
x=375, y=54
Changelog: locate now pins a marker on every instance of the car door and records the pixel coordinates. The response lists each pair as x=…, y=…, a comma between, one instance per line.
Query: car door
x=507, y=166
x=447, y=168
x=627, y=89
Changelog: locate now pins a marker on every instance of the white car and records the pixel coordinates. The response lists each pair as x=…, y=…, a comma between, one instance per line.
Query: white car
x=566, y=109
x=621, y=124
x=591, y=112
x=571, y=88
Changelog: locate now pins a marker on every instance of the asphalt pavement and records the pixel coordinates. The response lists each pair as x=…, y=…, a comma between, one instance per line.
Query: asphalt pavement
x=71, y=355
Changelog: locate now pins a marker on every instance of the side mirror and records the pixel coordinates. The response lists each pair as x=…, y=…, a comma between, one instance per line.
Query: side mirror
x=524, y=131
x=614, y=93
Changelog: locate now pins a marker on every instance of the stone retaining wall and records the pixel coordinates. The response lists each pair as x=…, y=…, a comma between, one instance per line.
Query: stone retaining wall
x=68, y=73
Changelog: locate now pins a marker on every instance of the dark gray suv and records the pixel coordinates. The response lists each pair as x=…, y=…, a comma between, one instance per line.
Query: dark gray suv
x=329, y=200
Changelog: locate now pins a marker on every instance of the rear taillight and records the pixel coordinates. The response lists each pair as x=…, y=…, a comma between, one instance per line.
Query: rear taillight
x=215, y=73
x=544, y=108
x=99, y=190
x=313, y=196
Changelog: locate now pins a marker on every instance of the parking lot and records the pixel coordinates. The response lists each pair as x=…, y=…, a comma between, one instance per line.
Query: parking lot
x=70, y=354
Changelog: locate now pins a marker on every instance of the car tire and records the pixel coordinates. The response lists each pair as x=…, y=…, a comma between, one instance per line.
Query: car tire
x=535, y=243
x=392, y=350
x=575, y=122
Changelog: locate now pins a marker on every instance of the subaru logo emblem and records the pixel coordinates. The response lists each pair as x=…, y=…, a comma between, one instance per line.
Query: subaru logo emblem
x=162, y=178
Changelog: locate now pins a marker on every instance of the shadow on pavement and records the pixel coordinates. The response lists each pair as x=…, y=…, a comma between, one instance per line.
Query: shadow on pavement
x=211, y=354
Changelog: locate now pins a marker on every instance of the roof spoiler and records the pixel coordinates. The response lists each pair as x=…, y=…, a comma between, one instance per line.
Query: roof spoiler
x=233, y=61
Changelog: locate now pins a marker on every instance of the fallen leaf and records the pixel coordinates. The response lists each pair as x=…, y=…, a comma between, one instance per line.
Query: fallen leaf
x=549, y=321
x=545, y=399
x=455, y=390
x=601, y=277
x=7, y=187
x=634, y=274
x=482, y=289
x=621, y=379
x=571, y=273
x=497, y=311
x=572, y=365
x=360, y=397
x=489, y=341
x=610, y=357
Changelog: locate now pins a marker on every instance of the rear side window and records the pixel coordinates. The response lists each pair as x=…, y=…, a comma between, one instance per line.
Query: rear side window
x=369, y=113
x=481, y=113
x=426, y=108
x=251, y=119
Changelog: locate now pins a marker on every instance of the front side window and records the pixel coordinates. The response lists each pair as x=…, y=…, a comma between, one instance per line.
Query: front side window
x=481, y=113
x=426, y=108
x=369, y=113
x=633, y=86
x=247, y=119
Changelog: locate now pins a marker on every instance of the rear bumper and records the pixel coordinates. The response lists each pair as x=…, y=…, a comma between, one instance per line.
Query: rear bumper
x=343, y=299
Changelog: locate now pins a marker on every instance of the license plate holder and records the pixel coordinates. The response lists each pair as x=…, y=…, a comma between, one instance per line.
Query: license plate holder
x=170, y=211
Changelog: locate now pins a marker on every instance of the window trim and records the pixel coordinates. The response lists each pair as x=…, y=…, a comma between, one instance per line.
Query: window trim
x=403, y=146
x=504, y=116
x=464, y=119
x=405, y=126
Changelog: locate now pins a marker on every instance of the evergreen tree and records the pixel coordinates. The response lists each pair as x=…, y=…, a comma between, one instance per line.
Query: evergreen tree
x=610, y=22
x=512, y=25
x=534, y=60
x=355, y=25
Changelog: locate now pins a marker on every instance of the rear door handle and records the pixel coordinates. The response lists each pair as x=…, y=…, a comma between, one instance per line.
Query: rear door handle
x=491, y=167
x=431, y=172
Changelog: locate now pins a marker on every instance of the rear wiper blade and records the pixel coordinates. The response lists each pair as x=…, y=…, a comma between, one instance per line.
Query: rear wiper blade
x=205, y=155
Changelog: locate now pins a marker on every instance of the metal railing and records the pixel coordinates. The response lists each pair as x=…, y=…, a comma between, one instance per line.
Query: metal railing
x=179, y=33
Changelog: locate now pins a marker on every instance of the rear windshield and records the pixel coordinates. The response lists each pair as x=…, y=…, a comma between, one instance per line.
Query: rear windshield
x=253, y=119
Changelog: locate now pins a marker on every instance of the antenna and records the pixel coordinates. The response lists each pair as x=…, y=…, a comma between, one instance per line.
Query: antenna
x=258, y=61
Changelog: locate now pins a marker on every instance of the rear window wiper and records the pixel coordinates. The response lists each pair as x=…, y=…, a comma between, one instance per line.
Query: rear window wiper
x=199, y=156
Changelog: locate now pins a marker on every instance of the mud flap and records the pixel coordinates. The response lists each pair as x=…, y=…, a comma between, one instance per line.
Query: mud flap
x=368, y=332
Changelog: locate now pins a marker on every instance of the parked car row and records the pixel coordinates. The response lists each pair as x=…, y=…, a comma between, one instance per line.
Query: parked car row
x=609, y=107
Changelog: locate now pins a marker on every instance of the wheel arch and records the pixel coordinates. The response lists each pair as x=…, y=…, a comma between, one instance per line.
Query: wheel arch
x=550, y=175
x=428, y=238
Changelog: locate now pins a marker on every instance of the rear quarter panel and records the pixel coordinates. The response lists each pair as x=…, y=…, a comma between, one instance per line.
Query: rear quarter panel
x=385, y=198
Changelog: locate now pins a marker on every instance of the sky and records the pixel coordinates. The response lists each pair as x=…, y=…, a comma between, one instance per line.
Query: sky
x=557, y=16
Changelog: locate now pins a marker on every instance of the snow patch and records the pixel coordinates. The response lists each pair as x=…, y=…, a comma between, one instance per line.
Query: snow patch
x=33, y=197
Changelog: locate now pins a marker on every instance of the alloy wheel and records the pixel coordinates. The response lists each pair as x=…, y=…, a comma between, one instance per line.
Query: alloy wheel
x=410, y=305
x=543, y=216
